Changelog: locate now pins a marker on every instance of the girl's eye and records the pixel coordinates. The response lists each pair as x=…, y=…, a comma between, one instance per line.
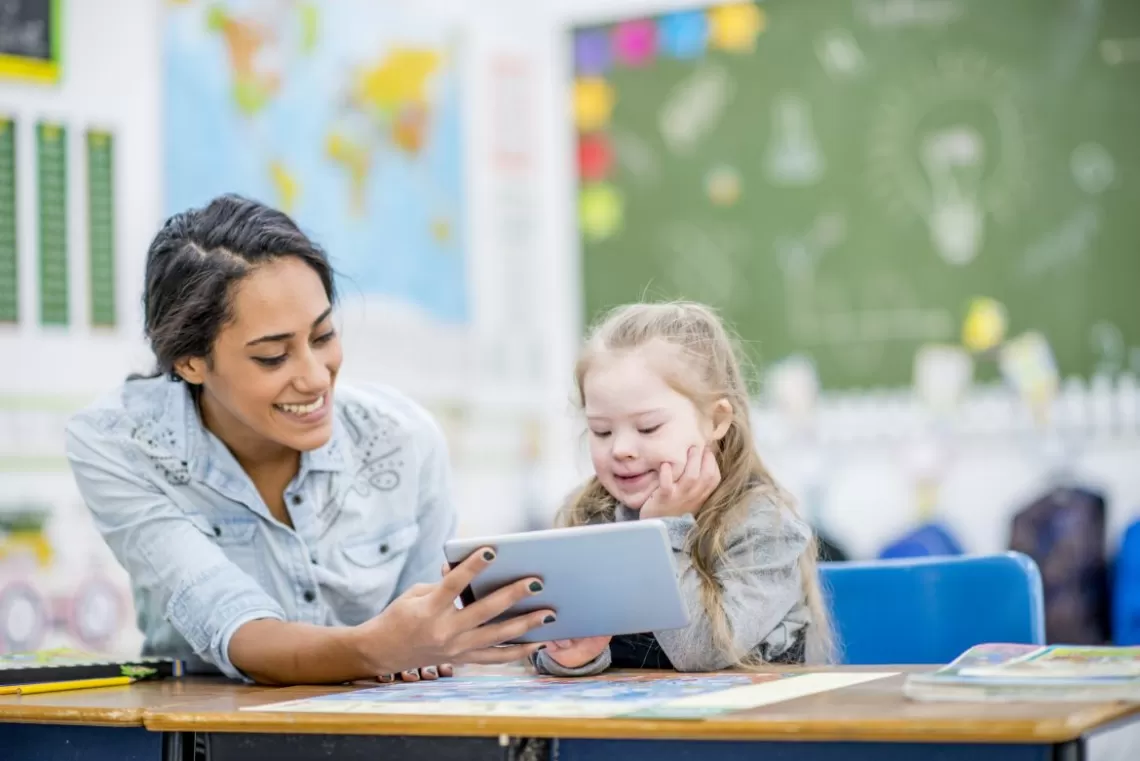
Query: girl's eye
x=647, y=431
x=600, y=434
x=270, y=361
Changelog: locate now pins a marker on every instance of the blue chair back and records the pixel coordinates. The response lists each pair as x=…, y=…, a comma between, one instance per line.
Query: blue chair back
x=930, y=610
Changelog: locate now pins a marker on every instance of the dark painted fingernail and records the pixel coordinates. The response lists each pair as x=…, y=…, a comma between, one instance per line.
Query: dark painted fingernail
x=535, y=586
x=431, y=670
x=548, y=620
x=488, y=556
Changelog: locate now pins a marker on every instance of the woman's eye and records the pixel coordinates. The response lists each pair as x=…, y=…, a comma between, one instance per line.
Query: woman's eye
x=324, y=338
x=270, y=361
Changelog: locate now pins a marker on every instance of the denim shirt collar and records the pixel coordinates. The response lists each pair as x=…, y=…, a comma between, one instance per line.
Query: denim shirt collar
x=207, y=457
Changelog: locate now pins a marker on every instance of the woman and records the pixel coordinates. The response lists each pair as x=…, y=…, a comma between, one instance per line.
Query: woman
x=276, y=525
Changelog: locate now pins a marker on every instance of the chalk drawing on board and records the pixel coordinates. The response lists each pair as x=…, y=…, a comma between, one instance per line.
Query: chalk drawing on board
x=1108, y=345
x=703, y=262
x=1117, y=52
x=839, y=54
x=953, y=159
x=889, y=14
x=793, y=156
x=951, y=148
x=1064, y=246
x=854, y=321
x=695, y=107
x=1092, y=167
x=635, y=157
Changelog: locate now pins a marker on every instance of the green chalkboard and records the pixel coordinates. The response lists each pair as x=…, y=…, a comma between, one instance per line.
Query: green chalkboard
x=842, y=177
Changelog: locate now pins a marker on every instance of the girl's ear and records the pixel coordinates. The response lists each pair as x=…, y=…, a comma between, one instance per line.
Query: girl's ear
x=722, y=415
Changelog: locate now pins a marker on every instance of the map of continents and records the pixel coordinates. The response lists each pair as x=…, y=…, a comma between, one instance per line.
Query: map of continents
x=343, y=113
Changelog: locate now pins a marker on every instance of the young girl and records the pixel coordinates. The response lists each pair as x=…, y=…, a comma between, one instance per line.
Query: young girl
x=667, y=408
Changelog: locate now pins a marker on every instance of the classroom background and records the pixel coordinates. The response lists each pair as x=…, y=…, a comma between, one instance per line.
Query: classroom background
x=920, y=216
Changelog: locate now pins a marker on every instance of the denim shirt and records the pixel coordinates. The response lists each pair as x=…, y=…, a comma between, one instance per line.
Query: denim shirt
x=371, y=510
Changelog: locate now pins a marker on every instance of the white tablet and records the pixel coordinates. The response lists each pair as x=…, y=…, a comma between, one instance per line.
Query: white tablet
x=600, y=580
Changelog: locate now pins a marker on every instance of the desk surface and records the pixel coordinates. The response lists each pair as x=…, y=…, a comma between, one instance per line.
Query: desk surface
x=872, y=711
x=118, y=706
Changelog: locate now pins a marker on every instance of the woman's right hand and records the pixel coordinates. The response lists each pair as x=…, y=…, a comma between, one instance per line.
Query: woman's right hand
x=423, y=627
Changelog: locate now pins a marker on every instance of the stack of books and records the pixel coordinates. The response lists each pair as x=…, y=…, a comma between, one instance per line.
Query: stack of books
x=1009, y=673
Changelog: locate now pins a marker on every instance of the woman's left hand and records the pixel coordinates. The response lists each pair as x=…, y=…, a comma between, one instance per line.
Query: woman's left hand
x=428, y=673
x=688, y=493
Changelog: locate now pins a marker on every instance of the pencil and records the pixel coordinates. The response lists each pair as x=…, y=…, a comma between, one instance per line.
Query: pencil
x=78, y=684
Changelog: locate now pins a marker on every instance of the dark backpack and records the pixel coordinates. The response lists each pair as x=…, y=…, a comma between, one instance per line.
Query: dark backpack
x=1064, y=532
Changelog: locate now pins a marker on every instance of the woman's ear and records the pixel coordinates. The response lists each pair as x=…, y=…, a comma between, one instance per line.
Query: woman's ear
x=191, y=369
x=722, y=415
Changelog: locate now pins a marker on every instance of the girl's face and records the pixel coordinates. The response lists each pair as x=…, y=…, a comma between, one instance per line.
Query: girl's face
x=638, y=421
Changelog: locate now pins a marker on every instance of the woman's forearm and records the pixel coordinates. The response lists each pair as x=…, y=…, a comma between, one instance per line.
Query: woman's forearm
x=270, y=651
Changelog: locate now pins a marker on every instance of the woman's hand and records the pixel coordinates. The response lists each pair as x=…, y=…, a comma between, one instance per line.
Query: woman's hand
x=575, y=653
x=423, y=628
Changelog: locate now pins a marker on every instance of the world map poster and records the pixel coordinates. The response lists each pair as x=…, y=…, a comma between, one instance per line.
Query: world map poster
x=346, y=114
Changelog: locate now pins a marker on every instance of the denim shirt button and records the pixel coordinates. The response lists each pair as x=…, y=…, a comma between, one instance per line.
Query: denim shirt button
x=309, y=595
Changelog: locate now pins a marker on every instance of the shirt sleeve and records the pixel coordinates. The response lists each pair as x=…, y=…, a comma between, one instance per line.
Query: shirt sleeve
x=436, y=511
x=173, y=564
x=760, y=586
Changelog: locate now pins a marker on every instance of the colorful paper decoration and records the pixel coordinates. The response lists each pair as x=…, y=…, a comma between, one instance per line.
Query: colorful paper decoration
x=592, y=56
x=593, y=103
x=595, y=157
x=985, y=325
x=735, y=27
x=1028, y=365
x=635, y=42
x=600, y=211
x=684, y=34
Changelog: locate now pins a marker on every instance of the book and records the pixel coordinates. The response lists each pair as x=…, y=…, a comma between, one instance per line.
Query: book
x=65, y=664
x=1032, y=673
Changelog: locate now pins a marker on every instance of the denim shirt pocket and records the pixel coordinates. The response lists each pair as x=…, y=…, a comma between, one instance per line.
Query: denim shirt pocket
x=382, y=548
x=372, y=569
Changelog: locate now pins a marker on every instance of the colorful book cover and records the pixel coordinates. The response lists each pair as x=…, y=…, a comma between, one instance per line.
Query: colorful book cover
x=1065, y=662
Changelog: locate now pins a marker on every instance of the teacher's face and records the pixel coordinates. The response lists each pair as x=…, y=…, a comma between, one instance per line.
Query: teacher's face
x=274, y=365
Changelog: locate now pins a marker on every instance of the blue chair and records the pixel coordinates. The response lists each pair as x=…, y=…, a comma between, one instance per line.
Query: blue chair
x=930, y=610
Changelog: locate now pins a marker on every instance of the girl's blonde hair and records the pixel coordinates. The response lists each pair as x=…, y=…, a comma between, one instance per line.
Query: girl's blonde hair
x=709, y=370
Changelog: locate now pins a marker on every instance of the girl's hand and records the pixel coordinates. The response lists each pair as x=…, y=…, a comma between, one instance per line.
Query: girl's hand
x=686, y=494
x=574, y=653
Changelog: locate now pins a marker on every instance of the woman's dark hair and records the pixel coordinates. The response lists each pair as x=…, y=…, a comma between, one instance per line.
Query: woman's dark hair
x=196, y=259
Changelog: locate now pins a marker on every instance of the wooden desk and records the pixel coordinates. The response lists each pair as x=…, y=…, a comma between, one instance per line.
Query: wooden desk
x=867, y=721
x=870, y=720
x=103, y=724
